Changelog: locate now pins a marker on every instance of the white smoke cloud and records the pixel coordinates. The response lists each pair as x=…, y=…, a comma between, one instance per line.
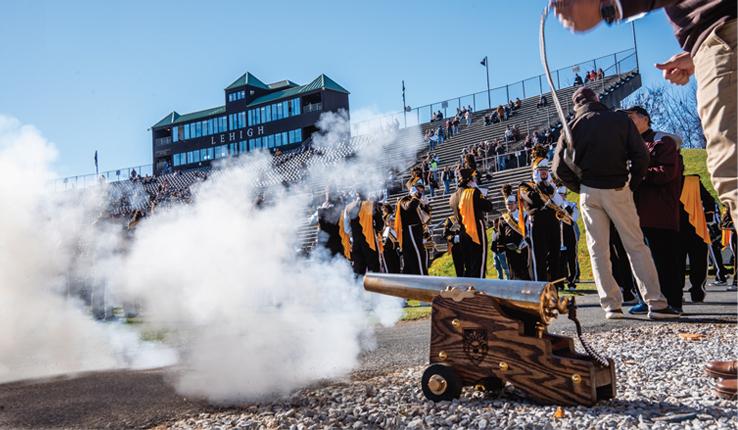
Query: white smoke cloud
x=50, y=242
x=250, y=318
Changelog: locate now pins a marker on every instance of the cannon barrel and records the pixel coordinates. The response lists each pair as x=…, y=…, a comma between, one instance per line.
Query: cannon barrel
x=539, y=300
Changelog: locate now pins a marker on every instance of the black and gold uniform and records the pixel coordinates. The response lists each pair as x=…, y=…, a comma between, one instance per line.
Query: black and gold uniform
x=452, y=234
x=543, y=226
x=365, y=220
x=328, y=215
x=412, y=213
x=512, y=237
x=469, y=207
x=392, y=254
x=568, y=235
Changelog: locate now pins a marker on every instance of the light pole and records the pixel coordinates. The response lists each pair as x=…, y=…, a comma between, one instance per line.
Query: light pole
x=404, y=105
x=485, y=63
x=635, y=44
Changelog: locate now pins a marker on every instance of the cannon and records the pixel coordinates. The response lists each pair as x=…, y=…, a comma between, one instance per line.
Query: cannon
x=486, y=333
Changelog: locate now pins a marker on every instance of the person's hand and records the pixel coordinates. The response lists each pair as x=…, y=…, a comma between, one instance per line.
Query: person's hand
x=578, y=15
x=678, y=68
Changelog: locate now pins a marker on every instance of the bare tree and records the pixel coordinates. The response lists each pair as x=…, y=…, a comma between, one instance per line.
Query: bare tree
x=673, y=110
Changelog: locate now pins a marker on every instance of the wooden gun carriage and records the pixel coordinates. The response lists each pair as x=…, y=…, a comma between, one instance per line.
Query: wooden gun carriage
x=487, y=332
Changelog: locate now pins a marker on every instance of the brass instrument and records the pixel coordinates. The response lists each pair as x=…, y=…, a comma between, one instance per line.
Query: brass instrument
x=486, y=332
x=560, y=213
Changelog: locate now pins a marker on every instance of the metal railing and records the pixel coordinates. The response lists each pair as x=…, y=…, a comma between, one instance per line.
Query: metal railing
x=80, y=182
x=313, y=107
x=617, y=63
x=163, y=141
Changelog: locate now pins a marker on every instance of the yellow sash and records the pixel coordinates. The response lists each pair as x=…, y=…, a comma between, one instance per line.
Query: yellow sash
x=398, y=224
x=692, y=202
x=344, y=238
x=367, y=224
x=466, y=210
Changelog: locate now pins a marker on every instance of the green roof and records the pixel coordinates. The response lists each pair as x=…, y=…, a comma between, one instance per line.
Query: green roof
x=175, y=118
x=282, y=84
x=291, y=90
x=247, y=79
x=167, y=120
x=321, y=82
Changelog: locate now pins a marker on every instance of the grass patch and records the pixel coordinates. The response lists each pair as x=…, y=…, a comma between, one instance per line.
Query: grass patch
x=415, y=313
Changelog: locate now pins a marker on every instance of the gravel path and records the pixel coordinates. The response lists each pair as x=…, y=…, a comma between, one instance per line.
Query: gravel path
x=661, y=385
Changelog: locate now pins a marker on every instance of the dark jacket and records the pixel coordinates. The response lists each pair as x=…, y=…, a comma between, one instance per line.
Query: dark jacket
x=604, y=142
x=693, y=20
x=657, y=199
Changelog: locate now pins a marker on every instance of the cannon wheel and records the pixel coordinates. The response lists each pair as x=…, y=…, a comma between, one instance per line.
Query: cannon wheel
x=440, y=382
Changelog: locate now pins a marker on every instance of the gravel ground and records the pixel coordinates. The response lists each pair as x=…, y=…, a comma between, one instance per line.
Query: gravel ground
x=661, y=385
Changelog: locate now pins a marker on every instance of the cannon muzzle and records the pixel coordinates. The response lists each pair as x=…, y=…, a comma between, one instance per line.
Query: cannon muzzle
x=539, y=300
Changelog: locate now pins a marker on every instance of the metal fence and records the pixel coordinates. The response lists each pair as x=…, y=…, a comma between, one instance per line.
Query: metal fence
x=612, y=64
x=83, y=181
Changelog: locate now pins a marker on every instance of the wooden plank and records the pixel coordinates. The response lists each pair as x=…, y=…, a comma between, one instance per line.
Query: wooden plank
x=485, y=337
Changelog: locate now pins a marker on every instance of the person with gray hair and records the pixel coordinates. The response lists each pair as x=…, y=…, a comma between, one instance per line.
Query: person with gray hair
x=609, y=161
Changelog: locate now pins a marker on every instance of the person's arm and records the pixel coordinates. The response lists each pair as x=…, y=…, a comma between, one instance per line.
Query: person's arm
x=409, y=204
x=666, y=168
x=482, y=202
x=583, y=15
x=637, y=154
x=561, y=170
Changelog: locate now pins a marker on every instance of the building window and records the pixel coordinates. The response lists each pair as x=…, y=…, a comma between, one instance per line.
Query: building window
x=175, y=134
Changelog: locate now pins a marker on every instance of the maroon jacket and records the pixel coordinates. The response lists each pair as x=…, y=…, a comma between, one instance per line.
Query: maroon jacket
x=693, y=20
x=657, y=199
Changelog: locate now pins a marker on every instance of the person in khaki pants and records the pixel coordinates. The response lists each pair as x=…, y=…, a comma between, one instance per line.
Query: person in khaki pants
x=604, y=143
x=706, y=30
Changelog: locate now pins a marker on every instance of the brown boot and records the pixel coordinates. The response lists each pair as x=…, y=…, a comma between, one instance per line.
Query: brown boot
x=722, y=369
x=726, y=388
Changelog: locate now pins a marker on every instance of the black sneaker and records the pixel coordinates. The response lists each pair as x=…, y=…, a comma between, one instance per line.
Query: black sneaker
x=667, y=313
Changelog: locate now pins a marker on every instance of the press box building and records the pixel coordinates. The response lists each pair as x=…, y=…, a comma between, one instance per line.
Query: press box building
x=255, y=116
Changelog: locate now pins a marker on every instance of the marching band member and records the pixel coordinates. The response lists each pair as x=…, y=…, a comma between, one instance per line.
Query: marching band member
x=391, y=254
x=569, y=235
x=469, y=206
x=412, y=213
x=695, y=202
x=365, y=220
x=543, y=224
x=327, y=216
x=513, y=237
x=452, y=233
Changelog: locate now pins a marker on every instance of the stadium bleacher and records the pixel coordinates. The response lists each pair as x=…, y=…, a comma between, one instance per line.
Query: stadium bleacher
x=294, y=166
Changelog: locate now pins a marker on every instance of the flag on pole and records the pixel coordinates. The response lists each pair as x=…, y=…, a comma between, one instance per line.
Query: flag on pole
x=484, y=61
x=96, y=169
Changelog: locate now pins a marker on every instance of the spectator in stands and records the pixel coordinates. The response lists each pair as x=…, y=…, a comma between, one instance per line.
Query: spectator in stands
x=508, y=112
x=501, y=113
x=487, y=119
x=449, y=128
x=468, y=118
x=500, y=151
x=518, y=104
x=439, y=133
x=133, y=175
x=515, y=133
x=578, y=79
x=600, y=73
x=495, y=118
x=456, y=123
x=469, y=109
x=542, y=101
x=508, y=134
x=447, y=176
